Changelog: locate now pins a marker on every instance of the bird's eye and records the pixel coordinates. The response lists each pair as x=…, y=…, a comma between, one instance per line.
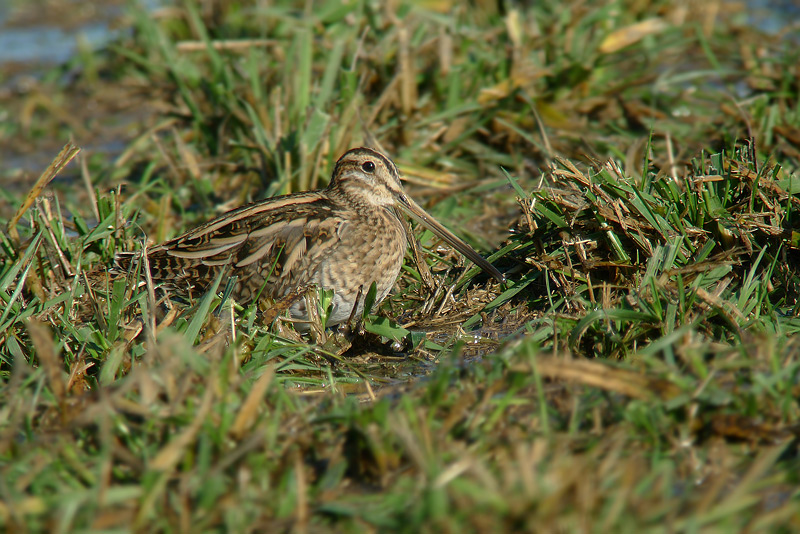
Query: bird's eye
x=368, y=166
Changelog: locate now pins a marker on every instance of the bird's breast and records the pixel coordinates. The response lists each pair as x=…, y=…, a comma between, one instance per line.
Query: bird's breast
x=368, y=249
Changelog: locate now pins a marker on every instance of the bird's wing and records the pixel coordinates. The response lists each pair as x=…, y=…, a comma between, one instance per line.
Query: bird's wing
x=273, y=239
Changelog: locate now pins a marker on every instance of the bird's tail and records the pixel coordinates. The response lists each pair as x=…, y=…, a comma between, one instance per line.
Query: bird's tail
x=124, y=261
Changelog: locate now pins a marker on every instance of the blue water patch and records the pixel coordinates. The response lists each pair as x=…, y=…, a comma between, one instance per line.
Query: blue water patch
x=46, y=44
x=773, y=16
x=51, y=44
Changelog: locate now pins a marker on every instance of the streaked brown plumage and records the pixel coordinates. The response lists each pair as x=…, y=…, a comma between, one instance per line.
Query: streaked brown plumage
x=341, y=238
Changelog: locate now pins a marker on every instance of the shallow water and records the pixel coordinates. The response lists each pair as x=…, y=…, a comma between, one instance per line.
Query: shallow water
x=46, y=38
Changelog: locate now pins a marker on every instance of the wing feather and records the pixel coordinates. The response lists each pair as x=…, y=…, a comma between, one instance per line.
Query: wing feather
x=287, y=234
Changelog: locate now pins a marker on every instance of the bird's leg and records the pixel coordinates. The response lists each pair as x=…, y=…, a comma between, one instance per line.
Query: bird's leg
x=350, y=326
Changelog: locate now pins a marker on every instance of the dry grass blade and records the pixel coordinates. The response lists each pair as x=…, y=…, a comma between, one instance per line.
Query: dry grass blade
x=48, y=358
x=87, y=182
x=249, y=410
x=629, y=35
x=151, y=299
x=301, y=512
x=603, y=376
x=170, y=455
x=408, y=85
x=66, y=155
x=224, y=44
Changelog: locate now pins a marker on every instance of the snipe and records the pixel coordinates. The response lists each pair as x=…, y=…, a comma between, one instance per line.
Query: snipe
x=342, y=238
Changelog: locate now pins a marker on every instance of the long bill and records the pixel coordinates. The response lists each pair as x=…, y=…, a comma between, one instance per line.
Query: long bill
x=416, y=212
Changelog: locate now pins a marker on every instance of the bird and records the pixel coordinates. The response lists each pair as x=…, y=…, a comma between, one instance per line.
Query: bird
x=342, y=238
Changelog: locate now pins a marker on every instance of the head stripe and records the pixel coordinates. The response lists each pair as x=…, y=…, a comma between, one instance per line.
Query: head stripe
x=364, y=151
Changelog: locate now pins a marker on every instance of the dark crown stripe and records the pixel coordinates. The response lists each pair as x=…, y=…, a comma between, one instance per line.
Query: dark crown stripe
x=364, y=151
